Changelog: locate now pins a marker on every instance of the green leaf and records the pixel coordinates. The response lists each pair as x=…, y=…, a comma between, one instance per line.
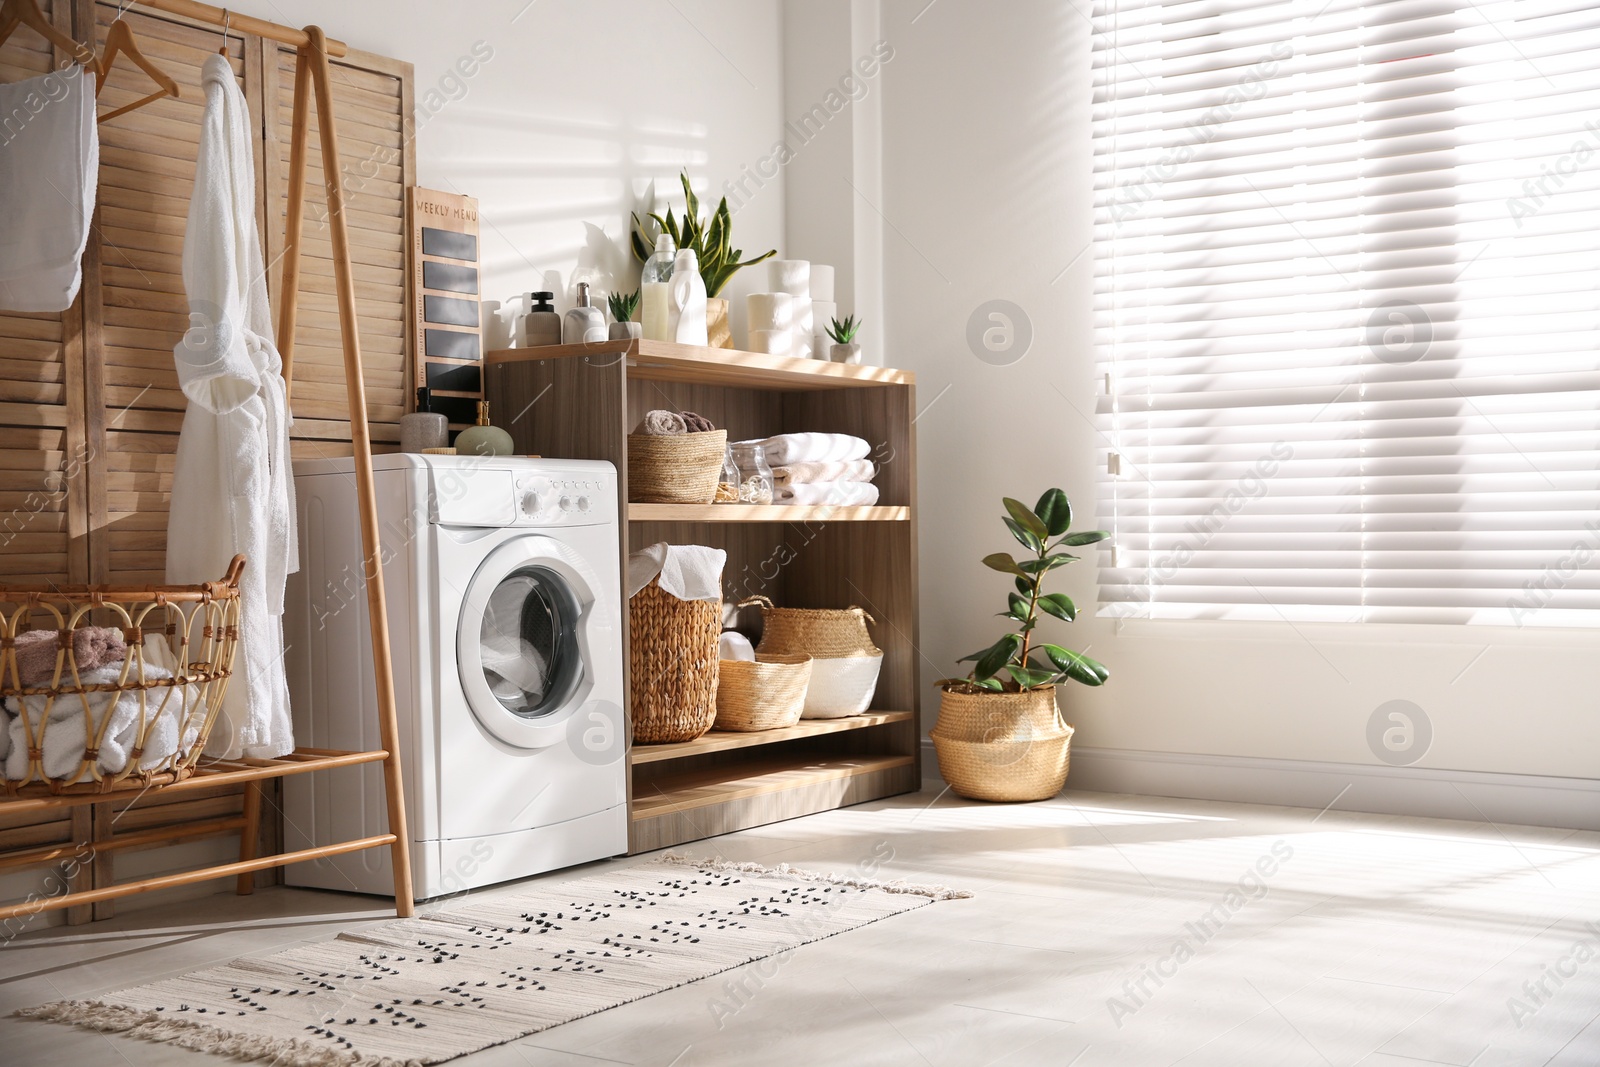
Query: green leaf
x=1026, y=517
x=990, y=662
x=1017, y=606
x=1088, y=537
x=1027, y=678
x=1048, y=563
x=1025, y=537
x=1002, y=561
x=1055, y=511
x=1077, y=666
x=1024, y=587
x=992, y=685
x=1060, y=605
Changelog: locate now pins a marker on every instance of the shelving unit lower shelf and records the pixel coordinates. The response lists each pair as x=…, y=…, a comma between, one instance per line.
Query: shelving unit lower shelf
x=678, y=806
x=724, y=740
x=765, y=513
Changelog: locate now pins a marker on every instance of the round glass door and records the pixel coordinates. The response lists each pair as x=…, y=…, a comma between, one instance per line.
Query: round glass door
x=529, y=642
x=525, y=639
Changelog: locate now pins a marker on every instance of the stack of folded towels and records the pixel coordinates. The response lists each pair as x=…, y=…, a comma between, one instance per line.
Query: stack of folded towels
x=821, y=468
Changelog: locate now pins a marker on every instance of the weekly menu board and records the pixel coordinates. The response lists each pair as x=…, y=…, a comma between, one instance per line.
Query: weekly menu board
x=445, y=287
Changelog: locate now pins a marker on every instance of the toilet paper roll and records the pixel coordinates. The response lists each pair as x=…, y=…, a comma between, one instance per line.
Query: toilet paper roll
x=804, y=327
x=772, y=342
x=823, y=312
x=792, y=276
x=822, y=282
x=769, y=311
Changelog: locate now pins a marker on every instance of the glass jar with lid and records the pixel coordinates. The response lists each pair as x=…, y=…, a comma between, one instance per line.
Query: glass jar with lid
x=755, y=476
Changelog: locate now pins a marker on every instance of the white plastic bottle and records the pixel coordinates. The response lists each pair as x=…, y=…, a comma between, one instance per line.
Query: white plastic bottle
x=584, y=323
x=688, y=300
x=654, y=299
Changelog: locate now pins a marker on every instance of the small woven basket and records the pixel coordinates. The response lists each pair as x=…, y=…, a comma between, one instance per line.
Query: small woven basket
x=768, y=694
x=845, y=662
x=675, y=469
x=147, y=725
x=672, y=660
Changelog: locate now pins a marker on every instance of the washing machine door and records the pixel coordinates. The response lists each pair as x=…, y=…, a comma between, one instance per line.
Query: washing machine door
x=523, y=640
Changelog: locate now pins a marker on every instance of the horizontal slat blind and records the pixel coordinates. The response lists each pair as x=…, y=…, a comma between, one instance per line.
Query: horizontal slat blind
x=1348, y=309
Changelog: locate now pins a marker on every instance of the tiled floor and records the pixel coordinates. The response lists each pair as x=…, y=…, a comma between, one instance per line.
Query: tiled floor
x=1106, y=930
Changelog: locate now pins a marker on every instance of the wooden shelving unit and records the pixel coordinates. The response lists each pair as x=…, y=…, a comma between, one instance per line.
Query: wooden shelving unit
x=580, y=401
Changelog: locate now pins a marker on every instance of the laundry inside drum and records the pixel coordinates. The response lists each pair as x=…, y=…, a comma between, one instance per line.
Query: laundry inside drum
x=529, y=640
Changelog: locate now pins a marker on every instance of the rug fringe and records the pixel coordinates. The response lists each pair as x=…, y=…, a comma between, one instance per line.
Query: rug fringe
x=158, y=1028
x=935, y=892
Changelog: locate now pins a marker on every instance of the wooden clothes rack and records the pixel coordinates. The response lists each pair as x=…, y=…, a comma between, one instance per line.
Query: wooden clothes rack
x=312, y=75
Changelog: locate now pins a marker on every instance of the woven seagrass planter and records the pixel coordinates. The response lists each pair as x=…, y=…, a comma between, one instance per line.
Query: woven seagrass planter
x=1002, y=746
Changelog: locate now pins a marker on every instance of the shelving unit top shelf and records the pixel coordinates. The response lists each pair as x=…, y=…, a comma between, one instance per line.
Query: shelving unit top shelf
x=666, y=361
x=766, y=513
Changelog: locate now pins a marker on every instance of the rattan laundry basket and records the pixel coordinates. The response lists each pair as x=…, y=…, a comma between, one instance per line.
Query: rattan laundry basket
x=130, y=721
x=672, y=663
x=768, y=694
x=845, y=663
x=676, y=468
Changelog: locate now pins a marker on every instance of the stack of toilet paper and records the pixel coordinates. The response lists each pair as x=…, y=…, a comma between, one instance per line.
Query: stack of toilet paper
x=823, y=308
x=793, y=277
x=771, y=321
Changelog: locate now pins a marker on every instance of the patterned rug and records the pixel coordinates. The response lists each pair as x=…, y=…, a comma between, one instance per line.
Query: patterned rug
x=425, y=990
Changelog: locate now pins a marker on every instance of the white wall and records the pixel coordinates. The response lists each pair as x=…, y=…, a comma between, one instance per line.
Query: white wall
x=987, y=195
x=582, y=106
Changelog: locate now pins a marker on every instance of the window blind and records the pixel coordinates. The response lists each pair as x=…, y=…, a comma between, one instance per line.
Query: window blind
x=1347, y=309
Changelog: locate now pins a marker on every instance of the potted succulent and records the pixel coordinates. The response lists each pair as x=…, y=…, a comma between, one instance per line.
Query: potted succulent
x=845, y=347
x=709, y=238
x=623, y=305
x=1000, y=734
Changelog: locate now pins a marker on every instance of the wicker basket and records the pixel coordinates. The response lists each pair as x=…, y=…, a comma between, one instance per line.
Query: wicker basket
x=121, y=719
x=672, y=659
x=1002, y=746
x=768, y=694
x=675, y=469
x=845, y=662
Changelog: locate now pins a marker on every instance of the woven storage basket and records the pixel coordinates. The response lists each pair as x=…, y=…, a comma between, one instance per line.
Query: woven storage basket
x=675, y=469
x=1002, y=746
x=132, y=722
x=768, y=694
x=845, y=662
x=672, y=660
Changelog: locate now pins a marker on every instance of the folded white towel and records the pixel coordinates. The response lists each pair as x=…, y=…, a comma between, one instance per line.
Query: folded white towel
x=67, y=730
x=787, y=449
x=853, y=470
x=49, y=167
x=848, y=494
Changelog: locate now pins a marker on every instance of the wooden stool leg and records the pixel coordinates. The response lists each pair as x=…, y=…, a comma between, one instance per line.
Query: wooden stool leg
x=249, y=833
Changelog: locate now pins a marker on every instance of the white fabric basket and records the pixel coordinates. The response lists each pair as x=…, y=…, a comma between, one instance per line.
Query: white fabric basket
x=841, y=686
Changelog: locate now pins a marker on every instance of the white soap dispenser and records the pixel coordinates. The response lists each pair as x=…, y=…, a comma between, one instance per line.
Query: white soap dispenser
x=654, y=300
x=688, y=300
x=585, y=322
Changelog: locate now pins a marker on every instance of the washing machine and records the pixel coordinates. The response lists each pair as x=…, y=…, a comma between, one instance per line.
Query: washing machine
x=502, y=578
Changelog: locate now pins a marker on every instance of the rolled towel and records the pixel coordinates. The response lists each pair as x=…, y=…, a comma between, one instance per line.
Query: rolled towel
x=735, y=645
x=846, y=494
x=697, y=423
x=660, y=423
x=787, y=449
x=93, y=647
x=853, y=470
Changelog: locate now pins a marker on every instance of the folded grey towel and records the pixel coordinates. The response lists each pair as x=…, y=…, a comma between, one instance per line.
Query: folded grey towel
x=93, y=647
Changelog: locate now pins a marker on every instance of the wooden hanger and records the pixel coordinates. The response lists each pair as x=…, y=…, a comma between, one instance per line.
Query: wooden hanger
x=14, y=13
x=120, y=41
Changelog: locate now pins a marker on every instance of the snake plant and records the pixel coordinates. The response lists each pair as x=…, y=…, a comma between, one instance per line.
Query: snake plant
x=709, y=238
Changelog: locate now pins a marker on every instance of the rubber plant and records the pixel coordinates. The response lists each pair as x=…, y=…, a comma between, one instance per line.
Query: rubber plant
x=709, y=238
x=1019, y=662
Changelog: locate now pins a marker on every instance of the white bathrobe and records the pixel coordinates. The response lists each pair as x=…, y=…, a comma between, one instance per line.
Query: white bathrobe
x=232, y=489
